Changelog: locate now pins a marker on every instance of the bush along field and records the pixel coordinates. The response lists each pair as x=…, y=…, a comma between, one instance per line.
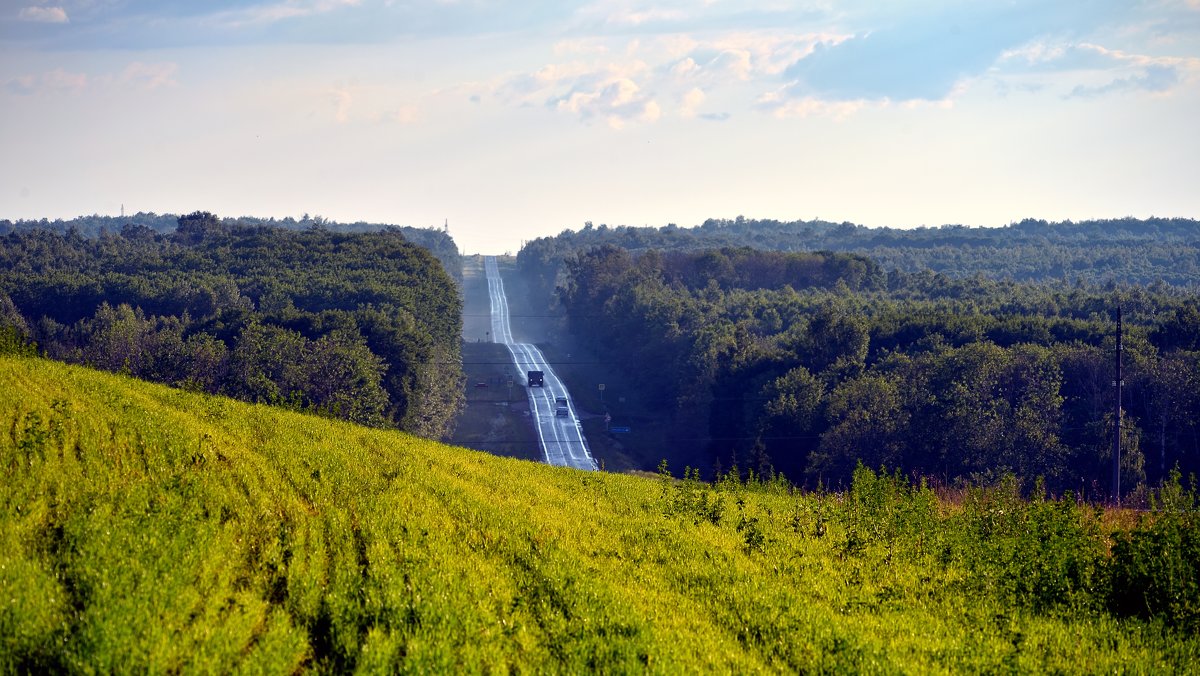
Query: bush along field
x=149, y=529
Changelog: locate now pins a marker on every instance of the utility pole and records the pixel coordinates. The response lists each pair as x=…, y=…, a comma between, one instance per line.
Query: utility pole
x=1118, y=384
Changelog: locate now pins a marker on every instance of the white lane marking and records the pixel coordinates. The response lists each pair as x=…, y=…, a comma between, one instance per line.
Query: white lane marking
x=567, y=433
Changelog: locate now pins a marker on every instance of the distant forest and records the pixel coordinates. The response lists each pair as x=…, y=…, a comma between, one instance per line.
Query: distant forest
x=363, y=326
x=1123, y=251
x=438, y=242
x=809, y=363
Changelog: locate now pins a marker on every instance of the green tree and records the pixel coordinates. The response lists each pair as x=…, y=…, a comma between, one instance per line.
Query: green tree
x=787, y=426
x=344, y=378
x=267, y=365
x=867, y=424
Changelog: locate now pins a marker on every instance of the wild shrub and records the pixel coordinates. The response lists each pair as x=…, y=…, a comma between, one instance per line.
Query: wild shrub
x=1155, y=568
x=752, y=532
x=14, y=342
x=691, y=497
x=1058, y=556
x=888, y=510
x=1040, y=554
x=890, y=505
x=811, y=516
x=14, y=331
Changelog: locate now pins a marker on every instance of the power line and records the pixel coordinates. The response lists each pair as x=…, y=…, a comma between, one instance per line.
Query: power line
x=1119, y=384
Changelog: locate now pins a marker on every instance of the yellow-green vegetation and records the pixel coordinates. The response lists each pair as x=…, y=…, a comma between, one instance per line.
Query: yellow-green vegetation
x=150, y=529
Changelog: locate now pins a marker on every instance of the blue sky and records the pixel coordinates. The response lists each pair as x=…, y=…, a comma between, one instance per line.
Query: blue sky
x=519, y=119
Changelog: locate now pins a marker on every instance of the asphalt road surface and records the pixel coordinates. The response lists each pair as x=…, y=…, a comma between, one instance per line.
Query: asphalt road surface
x=561, y=437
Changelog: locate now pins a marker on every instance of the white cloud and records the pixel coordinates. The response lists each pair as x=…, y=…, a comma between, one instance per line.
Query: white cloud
x=677, y=45
x=650, y=112
x=556, y=72
x=1158, y=79
x=685, y=67
x=557, y=83
x=1034, y=53
x=149, y=75
x=762, y=54
x=280, y=11
x=1120, y=56
x=43, y=14
x=360, y=102
x=637, y=18
x=528, y=89
x=691, y=101
x=57, y=80
x=782, y=105
x=630, y=13
x=620, y=92
x=735, y=60
x=635, y=74
x=406, y=114
x=616, y=99
x=138, y=74
x=1092, y=70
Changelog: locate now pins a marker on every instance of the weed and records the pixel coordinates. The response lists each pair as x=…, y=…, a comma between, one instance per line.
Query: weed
x=695, y=499
x=1155, y=569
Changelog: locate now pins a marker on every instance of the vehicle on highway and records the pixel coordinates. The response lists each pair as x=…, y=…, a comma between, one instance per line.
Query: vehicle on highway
x=537, y=379
x=560, y=407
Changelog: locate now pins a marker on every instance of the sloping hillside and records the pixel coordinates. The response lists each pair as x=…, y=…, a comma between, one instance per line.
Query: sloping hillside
x=146, y=528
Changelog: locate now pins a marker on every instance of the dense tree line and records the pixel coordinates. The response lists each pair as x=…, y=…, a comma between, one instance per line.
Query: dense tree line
x=437, y=241
x=1131, y=251
x=362, y=326
x=809, y=363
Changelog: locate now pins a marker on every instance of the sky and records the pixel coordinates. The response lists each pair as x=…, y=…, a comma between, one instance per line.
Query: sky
x=512, y=120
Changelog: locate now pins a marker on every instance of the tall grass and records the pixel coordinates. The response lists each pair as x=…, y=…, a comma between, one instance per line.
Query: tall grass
x=149, y=529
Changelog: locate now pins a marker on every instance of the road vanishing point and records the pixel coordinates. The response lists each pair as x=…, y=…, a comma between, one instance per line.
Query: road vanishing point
x=561, y=437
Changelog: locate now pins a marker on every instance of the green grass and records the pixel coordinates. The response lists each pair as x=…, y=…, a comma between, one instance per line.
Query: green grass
x=149, y=529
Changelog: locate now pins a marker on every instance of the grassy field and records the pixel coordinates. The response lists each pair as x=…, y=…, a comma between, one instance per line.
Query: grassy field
x=149, y=529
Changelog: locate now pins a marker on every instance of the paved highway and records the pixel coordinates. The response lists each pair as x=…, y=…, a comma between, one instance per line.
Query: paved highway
x=561, y=437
